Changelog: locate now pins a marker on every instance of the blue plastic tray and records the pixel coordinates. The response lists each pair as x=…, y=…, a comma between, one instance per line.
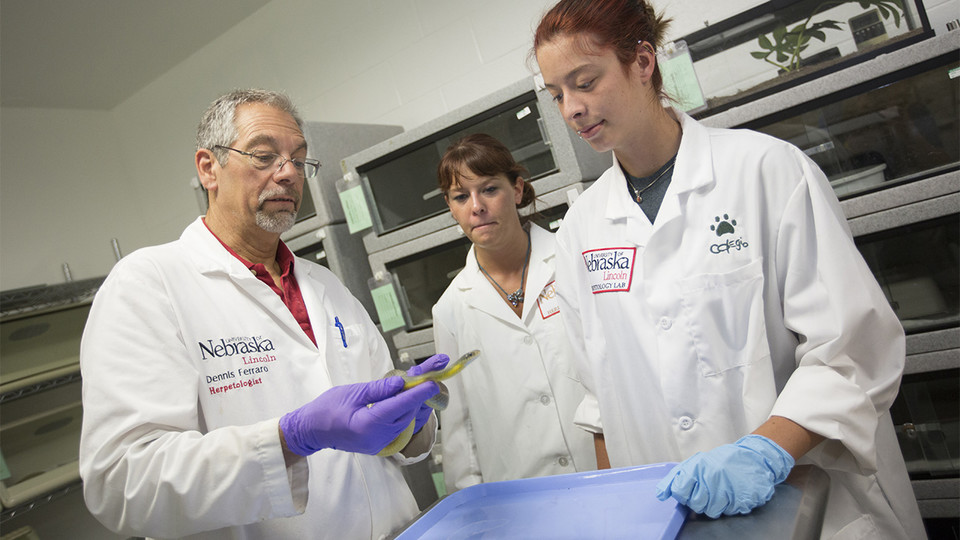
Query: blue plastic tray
x=613, y=503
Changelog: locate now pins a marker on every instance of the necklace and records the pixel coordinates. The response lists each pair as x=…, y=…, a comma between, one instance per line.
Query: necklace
x=637, y=194
x=516, y=297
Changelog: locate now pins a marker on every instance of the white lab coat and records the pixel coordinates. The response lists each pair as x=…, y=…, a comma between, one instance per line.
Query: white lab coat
x=179, y=439
x=511, y=411
x=747, y=298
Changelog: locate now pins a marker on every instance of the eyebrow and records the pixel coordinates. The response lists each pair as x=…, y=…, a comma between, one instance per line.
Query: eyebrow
x=272, y=141
x=574, y=73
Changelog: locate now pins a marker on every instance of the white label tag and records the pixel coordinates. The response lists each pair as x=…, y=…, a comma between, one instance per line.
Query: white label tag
x=547, y=301
x=609, y=269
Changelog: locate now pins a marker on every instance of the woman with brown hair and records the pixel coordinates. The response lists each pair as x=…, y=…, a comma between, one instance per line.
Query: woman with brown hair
x=720, y=312
x=511, y=414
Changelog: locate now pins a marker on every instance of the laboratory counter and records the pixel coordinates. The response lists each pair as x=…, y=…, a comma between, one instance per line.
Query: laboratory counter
x=615, y=503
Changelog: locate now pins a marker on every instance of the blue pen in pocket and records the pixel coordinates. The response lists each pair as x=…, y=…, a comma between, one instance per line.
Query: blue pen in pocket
x=343, y=336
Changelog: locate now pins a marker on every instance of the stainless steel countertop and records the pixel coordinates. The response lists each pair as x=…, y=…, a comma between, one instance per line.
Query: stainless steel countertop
x=794, y=513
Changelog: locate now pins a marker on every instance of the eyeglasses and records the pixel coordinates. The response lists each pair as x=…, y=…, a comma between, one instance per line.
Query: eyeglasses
x=263, y=160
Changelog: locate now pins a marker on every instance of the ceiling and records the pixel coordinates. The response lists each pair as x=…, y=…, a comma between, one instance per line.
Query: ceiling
x=94, y=54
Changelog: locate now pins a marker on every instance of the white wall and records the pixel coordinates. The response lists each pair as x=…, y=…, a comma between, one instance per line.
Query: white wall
x=72, y=180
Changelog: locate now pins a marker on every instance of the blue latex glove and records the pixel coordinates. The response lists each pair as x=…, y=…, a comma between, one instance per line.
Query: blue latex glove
x=434, y=363
x=730, y=479
x=340, y=418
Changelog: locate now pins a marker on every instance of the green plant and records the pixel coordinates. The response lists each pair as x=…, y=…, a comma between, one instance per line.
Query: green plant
x=788, y=44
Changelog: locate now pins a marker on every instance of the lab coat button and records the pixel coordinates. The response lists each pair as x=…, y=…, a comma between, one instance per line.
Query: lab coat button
x=686, y=422
x=545, y=399
x=563, y=461
x=527, y=340
x=665, y=323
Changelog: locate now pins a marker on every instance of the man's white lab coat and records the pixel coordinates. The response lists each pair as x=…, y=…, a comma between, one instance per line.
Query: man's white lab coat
x=188, y=361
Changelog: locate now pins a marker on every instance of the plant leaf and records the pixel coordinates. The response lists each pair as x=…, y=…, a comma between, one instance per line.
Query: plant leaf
x=760, y=55
x=764, y=42
x=896, y=15
x=817, y=34
x=782, y=57
x=779, y=32
x=832, y=25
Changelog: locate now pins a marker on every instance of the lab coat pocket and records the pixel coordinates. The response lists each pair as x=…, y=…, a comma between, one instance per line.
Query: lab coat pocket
x=864, y=528
x=347, y=355
x=724, y=315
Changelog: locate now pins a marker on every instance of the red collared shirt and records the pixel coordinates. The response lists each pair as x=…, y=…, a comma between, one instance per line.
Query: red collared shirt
x=290, y=291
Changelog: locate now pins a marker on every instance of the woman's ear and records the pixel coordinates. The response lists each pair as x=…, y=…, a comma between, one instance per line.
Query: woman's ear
x=518, y=190
x=646, y=59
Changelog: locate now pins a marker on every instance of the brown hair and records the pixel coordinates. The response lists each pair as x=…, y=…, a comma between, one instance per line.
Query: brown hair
x=482, y=155
x=616, y=24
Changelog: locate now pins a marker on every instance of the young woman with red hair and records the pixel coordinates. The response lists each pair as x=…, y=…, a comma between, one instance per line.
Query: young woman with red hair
x=720, y=312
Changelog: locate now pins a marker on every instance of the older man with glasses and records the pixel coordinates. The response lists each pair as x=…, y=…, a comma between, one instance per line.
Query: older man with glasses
x=226, y=383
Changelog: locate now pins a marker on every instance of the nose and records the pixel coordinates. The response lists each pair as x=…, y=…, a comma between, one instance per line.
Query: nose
x=477, y=204
x=287, y=173
x=571, y=108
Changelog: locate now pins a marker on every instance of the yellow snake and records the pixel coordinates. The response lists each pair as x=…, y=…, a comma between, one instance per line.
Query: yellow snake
x=438, y=402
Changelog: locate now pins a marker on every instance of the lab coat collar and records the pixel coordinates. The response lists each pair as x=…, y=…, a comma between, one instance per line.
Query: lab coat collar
x=209, y=255
x=538, y=275
x=211, y=258
x=481, y=294
x=693, y=170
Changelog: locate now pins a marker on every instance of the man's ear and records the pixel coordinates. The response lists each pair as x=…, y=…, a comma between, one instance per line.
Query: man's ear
x=207, y=169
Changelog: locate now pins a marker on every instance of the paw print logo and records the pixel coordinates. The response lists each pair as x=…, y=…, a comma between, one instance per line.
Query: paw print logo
x=723, y=226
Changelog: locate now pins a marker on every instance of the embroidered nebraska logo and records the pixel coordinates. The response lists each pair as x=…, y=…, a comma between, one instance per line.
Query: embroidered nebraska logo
x=609, y=269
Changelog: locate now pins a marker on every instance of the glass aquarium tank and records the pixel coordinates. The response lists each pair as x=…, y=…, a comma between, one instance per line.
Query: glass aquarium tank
x=781, y=43
x=890, y=130
x=918, y=270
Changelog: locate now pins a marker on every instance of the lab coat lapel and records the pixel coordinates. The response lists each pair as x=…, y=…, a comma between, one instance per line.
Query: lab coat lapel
x=621, y=208
x=538, y=273
x=480, y=294
x=693, y=172
x=313, y=292
x=211, y=258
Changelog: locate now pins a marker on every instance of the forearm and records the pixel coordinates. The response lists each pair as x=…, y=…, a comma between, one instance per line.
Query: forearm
x=600, y=445
x=289, y=458
x=789, y=435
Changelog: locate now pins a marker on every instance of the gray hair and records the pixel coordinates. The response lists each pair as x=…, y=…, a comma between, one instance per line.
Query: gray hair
x=217, y=126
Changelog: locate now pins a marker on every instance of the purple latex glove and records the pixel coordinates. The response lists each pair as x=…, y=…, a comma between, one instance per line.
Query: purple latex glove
x=340, y=419
x=730, y=479
x=434, y=363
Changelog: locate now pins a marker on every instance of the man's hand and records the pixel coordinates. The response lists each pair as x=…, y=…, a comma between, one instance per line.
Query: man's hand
x=341, y=419
x=434, y=363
